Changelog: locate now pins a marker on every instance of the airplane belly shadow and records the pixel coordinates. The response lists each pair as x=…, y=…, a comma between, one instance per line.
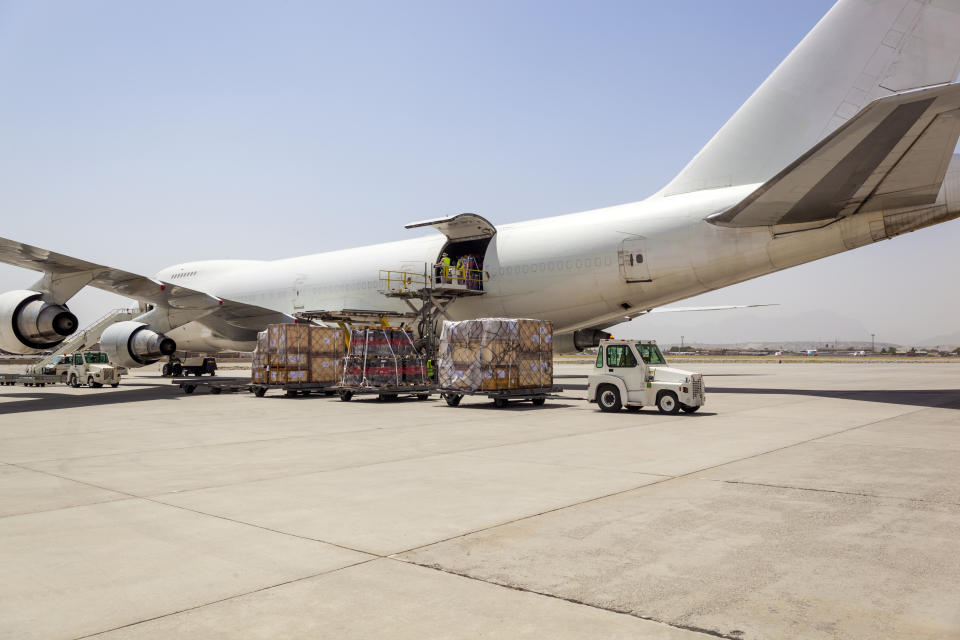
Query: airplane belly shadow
x=943, y=398
x=52, y=400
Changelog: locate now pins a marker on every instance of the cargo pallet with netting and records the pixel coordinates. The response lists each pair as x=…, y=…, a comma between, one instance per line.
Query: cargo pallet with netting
x=502, y=358
x=384, y=361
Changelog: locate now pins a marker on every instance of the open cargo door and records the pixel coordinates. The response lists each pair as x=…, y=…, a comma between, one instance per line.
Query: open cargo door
x=468, y=236
x=460, y=227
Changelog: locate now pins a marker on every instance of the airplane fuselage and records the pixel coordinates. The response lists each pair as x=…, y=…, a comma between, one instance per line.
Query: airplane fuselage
x=580, y=270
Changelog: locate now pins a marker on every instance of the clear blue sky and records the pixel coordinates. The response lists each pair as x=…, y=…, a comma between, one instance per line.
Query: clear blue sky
x=144, y=134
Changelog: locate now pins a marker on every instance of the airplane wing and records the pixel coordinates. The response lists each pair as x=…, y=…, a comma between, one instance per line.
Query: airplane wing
x=892, y=154
x=65, y=275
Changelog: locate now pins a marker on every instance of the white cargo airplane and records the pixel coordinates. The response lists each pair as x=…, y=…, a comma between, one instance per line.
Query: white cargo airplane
x=849, y=141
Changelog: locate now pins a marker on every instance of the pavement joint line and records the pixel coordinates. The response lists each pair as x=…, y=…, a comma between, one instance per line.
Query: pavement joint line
x=85, y=504
x=133, y=496
x=226, y=599
x=625, y=612
x=836, y=491
x=647, y=485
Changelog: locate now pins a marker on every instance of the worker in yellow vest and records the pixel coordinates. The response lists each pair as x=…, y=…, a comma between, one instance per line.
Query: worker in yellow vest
x=445, y=267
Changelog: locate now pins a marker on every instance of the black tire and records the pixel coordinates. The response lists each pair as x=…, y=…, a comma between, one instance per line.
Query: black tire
x=453, y=399
x=539, y=402
x=500, y=403
x=74, y=382
x=259, y=391
x=189, y=388
x=346, y=396
x=387, y=397
x=115, y=385
x=667, y=403
x=423, y=396
x=329, y=393
x=215, y=390
x=291, y=393
x=166, y=369
x=634, y=408
x=93, y=383
x=176, y=370
x=688, y=409
x=608, y=398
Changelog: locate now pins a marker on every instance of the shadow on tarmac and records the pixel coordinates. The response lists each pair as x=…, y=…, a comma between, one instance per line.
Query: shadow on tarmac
x=51, y=400
x=943, y=398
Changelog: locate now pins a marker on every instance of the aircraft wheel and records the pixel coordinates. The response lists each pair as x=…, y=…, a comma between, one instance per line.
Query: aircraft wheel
x=667, y=402
x=608, y=397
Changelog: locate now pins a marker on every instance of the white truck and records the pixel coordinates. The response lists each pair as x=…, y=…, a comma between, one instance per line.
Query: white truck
x=634, y=374
x=92, y=368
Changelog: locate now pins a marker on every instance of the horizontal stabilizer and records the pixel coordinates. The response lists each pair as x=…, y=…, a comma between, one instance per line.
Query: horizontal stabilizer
x=726, y=307
x=894, y=153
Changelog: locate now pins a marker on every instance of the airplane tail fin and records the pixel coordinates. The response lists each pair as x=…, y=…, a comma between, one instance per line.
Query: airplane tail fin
x=860, y=51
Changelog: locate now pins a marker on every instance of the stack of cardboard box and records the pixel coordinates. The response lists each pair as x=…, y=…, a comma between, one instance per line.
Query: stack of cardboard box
x=298, y=353
x=495, y=354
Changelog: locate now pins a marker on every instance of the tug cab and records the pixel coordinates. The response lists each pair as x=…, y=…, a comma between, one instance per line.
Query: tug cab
x=634, y=374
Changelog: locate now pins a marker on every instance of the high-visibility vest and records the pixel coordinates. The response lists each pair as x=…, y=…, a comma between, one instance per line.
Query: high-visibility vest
x=445, y=261
x=429, y=368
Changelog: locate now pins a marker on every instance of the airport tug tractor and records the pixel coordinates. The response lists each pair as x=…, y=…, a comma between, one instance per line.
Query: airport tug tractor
x=634, y=374
x=92, y=368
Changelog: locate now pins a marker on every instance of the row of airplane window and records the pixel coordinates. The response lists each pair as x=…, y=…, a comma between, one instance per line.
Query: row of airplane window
x=542, y=267
x=558, y=265
x=183, y=274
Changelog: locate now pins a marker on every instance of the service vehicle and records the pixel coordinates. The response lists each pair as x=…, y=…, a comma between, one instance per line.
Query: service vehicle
x=91, y=368
x=197, y=366
x=634, y=374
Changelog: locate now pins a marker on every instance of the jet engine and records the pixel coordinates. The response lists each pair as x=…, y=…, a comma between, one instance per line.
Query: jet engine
x=134, y=344
x=29, y=324
x=578, y=340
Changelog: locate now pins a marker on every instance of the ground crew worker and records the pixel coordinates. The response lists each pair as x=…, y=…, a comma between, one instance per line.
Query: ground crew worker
x=461, y=272
x=445, y=267
x=430, y=369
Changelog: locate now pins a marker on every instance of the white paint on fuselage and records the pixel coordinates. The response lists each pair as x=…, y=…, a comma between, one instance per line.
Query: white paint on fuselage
x=564, y=269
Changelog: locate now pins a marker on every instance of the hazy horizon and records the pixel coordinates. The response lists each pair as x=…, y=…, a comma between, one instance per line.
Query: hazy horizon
x=140, y=136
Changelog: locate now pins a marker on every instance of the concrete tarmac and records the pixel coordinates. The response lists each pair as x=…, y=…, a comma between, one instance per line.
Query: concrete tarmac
x=804, y=501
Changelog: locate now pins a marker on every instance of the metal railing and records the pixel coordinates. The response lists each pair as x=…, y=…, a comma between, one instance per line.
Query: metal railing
x=433, y=276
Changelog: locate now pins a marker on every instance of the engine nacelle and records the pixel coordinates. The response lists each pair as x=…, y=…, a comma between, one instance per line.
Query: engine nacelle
x=28, y=324
x=135, y=344
x=578, y=340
